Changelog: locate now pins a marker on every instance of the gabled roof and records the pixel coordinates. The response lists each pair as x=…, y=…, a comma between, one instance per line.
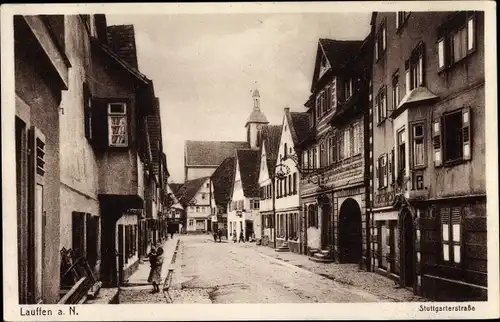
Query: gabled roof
x=248, y=161
x=299, y=125
x=337, y=52
x=210, y=153
x=271, y=134
x=189, y=189
x=175, y=187
x=222, y=180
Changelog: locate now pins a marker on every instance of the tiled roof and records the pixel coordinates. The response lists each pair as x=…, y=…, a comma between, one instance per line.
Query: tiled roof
x=271, y=134
x=175, y=187
x=189, y=189
x=300, y=123
x=222, y=180
x=210, y=153
x=121, y=39
x=248, y=161
x=339, y=52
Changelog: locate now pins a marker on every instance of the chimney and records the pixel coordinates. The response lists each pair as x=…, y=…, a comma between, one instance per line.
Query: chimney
x=121, y=39
x=287, y=109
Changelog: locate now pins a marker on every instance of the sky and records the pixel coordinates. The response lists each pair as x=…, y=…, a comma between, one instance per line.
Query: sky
x=205, y=67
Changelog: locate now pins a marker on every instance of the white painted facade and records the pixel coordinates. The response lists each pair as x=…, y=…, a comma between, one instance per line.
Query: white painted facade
x=198, y=214
x=240, y=210
x=266, y=200
x=287, y=191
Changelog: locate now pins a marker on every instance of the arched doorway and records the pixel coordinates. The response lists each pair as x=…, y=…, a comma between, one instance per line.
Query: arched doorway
x=408, y=247
x=350, y=235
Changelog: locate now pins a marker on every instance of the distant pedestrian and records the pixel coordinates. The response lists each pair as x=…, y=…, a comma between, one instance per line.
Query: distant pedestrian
x=171, y=234
x=219, y=233
x=215, y=236
x=242, y=237
x=234, y=236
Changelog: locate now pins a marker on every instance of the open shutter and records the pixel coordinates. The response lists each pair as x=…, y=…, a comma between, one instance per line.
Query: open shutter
x=100, y=123
x=385, y=169
x=466, y=133
x=78, y=234
x=437, y=142
x=407, y=76
x=441, y=54
x=91, y=239
x=445, y=232
x=390, y=165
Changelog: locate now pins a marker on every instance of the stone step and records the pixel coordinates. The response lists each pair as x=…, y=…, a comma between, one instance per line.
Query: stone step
x=325, y=251
x=320, y=259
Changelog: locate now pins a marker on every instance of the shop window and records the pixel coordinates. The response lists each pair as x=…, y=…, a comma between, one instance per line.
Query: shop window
x=456, y=39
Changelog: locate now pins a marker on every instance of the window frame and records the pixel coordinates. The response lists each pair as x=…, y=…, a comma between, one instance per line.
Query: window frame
x=465, y=126
x=381, y=106
x=381, y=41
x=444, y=42
x=451, y=241
x=396, y=97
x=110, y=115
x=413, y=138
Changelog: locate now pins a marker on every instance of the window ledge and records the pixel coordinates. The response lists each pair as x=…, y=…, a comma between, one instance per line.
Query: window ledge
x=449, y=164
x=458, y=62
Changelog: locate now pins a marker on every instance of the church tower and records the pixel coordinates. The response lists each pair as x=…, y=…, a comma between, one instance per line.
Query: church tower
x=255, y=122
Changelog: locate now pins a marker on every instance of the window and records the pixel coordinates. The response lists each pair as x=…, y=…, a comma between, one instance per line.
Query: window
x=356, y=138
x=117, y=120
x=348, y=89
x=347, y=142
x=203, y=195
x=197, y=209
x=305, y=164
x=381, y=103
x=285, y=153
x=254, y=204
x=315, y=158
x=295, y=183
x=457, y=39
x=87, y=111
x=321, y=103
x=401, y=138
x=455, y=140
x=401, y=17
x=382, y=171
x=414, y=68
x=322, y=154
x=418, y=145
x=451, y=234
x=333, y=94
x=207, y=185
x=312, y=216
x=395, y=90
x=380, y=41
x=310, y=161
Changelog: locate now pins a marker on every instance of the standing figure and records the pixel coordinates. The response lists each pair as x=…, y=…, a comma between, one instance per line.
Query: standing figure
x=242, y=237
x=152, y=256
x=234, y=236
x=155, y=274
x=219, y=232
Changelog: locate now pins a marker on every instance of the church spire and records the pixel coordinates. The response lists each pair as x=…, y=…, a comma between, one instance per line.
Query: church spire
x=256, y=100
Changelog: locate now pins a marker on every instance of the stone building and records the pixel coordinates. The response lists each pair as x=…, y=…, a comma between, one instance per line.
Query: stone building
x=428, y=146
x=41, y=73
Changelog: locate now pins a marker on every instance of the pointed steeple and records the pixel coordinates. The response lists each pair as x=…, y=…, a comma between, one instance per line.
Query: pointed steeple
x=255, y=121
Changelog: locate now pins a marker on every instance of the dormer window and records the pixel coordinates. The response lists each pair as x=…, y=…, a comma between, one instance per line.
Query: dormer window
x=348, y=88
x=323, y=66
x=117, y=125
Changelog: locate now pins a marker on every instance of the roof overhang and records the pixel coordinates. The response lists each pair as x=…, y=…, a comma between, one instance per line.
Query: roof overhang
x=415, y=96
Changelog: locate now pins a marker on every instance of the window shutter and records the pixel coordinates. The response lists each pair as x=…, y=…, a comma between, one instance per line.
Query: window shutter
x=100, y=123
x=78, y=234
x=351, y=137
x=385, y=174
x=441, y=54
x=437, y=142
x=466, y=132
x=91, y=237
x=328, y=98
x=377, y=173
x=471, y=33
x=407, y=76
x=390, y=165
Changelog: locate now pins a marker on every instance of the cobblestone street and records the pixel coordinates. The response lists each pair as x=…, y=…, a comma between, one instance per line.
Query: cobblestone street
x=209, y=272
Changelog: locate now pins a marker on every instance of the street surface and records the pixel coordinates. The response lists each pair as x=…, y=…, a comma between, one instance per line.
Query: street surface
x=209, y=272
